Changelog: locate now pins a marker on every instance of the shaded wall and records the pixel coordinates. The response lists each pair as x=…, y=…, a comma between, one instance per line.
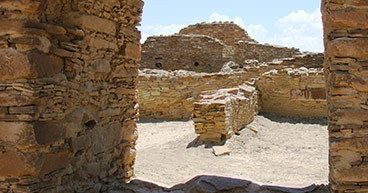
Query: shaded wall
x=346, y=46
x=187, y=52
x=293, y=93
x=67, y=93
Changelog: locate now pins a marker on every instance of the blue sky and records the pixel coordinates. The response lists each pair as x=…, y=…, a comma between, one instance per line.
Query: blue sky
x=292, y=23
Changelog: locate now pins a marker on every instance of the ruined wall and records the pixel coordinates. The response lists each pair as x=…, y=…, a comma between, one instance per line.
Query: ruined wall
x=227, y=32
x=346, y=48
x=219, y=44
x=188, y=52
x=293, y=92
x=307, y=60
x=221, y=113
x=261, y=52
x=67, y=93
x=170, y=95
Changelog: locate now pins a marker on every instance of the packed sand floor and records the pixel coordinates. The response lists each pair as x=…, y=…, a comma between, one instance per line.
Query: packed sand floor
x=276, y=151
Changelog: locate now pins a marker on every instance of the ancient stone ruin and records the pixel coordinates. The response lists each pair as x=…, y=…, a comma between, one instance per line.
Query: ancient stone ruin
x=69, y=79
x=219, y=114
x=292, y=86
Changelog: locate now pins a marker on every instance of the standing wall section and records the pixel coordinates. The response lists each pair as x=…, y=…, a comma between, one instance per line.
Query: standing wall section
x=296, y=92
x=346, y=67
x=68, y=101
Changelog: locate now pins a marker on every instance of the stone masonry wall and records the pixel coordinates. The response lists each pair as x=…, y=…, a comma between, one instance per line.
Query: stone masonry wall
x=221, y=113
x=188, y=52
x=346, y=67
x=227, y=32
x=210, y=51
x=68, y=103
x=261, y=52
x=293, y=92
x=170, y=95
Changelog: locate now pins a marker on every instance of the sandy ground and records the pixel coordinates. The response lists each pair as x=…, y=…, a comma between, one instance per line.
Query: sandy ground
x=284, y=152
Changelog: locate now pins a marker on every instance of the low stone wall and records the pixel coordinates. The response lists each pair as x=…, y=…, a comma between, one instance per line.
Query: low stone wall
x=170, y=95
x=219, y=114
x=293, y=92
x=307, y=60
x=261, y=52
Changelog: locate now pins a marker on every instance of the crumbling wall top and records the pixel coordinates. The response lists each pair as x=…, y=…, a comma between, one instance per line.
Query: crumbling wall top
x=228, y=32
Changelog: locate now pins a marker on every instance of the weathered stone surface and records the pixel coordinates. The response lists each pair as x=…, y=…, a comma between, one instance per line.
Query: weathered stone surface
x=102, y=44
x=15, y=164
x=207, y=48
x=62, y=118
x=219, y=114
x=346, y=29
x=91, y=22
x=227, y=32
x=293, y=92
x=14, y=65
x=16, y=133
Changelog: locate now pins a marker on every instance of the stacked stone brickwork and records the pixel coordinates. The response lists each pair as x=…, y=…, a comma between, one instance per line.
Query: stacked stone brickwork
x=261, y=52
x=346, y=67
x=219, y=114
x=170, y=95
x=68, y=103
x=307, y=60
x=185, y=52
x=206, y=48
x=227, y=32
x=293, y=92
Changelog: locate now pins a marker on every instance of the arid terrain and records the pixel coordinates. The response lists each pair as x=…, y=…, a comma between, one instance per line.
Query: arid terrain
x=275, y=151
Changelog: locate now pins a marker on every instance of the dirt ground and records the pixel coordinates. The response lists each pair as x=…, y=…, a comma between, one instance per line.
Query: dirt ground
x=285, y=152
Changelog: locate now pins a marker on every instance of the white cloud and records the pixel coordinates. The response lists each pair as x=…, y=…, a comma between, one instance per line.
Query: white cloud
x=298, y=29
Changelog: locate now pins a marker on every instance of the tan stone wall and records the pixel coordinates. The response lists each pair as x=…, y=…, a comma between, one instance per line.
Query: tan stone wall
x=293, y=92
x=188, y=52
x=221, y=113
x=346, y=44
x=261, y=52
x=204, y=53
x=170, y=95
x=67, y=93
x=227, y=32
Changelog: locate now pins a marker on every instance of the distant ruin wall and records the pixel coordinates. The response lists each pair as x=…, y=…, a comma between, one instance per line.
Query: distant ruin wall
x=346, y=67
x=189, y=52
x=261, y=52
x=293, y=93
x=221, y=113
x=170, y=95
x=227, y=32
x=68, y=100
x=201, y=53
x=307, y=60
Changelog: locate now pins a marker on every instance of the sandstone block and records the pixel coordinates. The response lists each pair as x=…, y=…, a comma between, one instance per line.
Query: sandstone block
x=102, y=44
x=54, y=161
x=17, y=133
x=15, y=164
x=133, y=51
x=92, y=23
x=14, y=65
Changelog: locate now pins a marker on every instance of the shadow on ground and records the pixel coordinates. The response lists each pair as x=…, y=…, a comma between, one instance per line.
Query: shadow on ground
x=213, y=184
x=295, y=120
